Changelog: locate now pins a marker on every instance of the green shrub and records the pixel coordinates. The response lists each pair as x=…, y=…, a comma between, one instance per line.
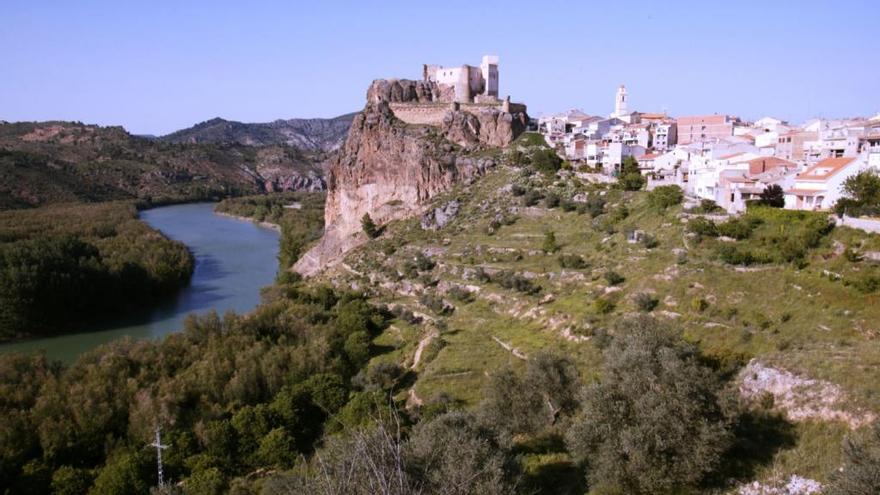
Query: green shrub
x=736, y=228
x=663, y=197
x=603, y=306
x=612, y=277
x=546, y=161
x=702, y=227
x=573, y=261
x=645, y=301
x=550, y=245
x=531, y=197
x=619, y=434
x=551, y=200
x=699, y=304
x=511, y=280
x=369, y=226
x=733, y=255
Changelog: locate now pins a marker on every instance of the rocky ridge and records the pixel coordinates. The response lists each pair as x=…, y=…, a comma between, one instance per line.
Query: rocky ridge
x=389, y=169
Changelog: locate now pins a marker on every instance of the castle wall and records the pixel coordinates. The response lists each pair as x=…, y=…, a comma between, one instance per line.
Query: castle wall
x=420, y=114
x=433, y=113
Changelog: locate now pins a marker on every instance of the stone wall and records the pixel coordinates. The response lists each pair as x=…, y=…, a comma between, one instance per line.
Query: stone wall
x=421, y=113
x=433, y=113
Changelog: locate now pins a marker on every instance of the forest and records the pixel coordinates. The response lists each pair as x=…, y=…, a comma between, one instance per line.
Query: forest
x=66, y=266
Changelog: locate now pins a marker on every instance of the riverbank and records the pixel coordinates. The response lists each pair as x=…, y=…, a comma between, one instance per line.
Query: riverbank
x=264, y=224
x=232, y=261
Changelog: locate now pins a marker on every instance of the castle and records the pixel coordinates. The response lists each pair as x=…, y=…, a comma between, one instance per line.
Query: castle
x=469, y=84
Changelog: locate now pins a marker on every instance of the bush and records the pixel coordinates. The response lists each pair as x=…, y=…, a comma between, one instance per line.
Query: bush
x=531, y=197
x=860, y=473
x=619, y=435
x=707, y=206
x=702, y=227
x=663, y=197
x=550, y=246
x=630, y=178
x=546, y=161
x=645, y=302
x=595, y=206
x=603, y=306
x=737, y=228
x=369, y=226
x=612, y=277
x=510, y=280
x=773, y=196
x=517, y=190
x=551, y=200
x=460, y=294
x=733, y=255
x=572, y=261
x=649, y=241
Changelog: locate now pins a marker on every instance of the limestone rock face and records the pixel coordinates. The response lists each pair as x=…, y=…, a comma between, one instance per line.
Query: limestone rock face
x=484, y=126
x=389, y=169
x=403, y=91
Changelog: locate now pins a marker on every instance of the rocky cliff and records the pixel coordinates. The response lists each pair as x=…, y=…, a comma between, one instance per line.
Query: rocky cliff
x=389, y=169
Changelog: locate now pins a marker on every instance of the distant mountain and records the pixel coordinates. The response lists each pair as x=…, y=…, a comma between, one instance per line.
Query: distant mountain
x=306, y=134
x=52, y=162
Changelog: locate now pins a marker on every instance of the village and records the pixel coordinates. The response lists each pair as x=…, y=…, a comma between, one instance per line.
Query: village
x=721, y=158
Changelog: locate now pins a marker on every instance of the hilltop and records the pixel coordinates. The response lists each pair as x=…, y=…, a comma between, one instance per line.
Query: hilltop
x=51, y=162
x=316, y=135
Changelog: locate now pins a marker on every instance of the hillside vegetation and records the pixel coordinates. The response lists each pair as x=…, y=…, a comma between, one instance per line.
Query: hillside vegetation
x=65, y=266
x=321, y=135
x=536, y=262
x=52, y=162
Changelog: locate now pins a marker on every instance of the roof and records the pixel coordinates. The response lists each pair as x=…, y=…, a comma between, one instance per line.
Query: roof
x=733, y=155
x=649, y=156
x=826, y=168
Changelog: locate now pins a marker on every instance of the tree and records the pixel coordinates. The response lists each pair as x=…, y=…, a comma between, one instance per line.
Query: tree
x=625, y=432
x=860, y=473
x=527, y=403
x=550, y=246
x=629, y=178
x=774, y=196
x=369, y=227
x=455, y=455
x=862, y=195
x=546, y=161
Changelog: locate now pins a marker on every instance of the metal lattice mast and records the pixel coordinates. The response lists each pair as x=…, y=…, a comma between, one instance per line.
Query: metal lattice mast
x=159, y=448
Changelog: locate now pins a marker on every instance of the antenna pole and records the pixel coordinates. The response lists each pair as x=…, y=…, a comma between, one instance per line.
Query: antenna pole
x=159, y=448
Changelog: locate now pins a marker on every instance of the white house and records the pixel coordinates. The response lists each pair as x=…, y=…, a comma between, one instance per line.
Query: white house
x=820, y=186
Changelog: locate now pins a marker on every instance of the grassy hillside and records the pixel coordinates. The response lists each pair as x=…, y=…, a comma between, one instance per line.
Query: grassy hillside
x=490, y=290
x=51, y=162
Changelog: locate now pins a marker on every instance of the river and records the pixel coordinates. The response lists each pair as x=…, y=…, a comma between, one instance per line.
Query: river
x=233, y=260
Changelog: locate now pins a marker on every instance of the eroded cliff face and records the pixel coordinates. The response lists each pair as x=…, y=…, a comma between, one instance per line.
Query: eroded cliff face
x=389, y=169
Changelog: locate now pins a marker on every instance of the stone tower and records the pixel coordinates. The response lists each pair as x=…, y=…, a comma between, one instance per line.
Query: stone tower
x=620, y=102
x=489, y=68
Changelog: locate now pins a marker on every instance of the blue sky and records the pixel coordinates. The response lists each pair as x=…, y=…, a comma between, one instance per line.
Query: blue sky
x=158, y=66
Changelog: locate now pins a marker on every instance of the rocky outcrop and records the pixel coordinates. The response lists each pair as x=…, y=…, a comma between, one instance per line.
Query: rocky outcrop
x=800, y=398
x=388, y=170
x=437, y=218
x=404, y=91
x=482, y=126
